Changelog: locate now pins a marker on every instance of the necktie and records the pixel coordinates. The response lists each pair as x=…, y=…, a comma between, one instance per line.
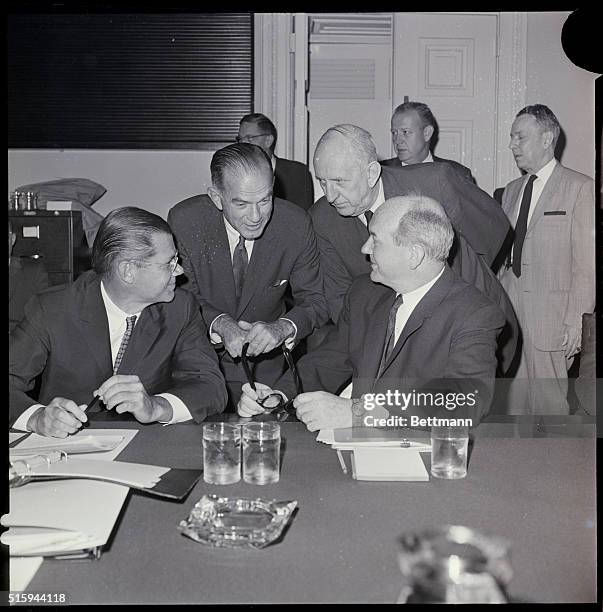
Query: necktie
x=130, y=321
x=368, y=215
x=388, y=347
x=522, y=225
x=239, y=265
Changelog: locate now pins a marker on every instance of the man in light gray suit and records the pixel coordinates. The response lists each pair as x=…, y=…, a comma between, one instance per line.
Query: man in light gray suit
x=550, y=271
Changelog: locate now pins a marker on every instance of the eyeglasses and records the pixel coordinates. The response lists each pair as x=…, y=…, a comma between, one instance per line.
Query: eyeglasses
x=274, y=402
x=250, y=137
x=171, y=265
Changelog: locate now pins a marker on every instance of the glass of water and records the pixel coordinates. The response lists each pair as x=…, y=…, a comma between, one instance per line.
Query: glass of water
x=221, y=453
x=261, y=452
x=449, y=452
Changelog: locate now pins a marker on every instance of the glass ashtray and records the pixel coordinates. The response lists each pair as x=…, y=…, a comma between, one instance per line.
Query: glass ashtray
x=236, y=522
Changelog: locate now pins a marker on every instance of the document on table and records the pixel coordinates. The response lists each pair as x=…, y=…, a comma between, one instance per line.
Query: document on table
x=21, y=571
x=388, y=464
x=362, y=437
x=104, y=444
x=61, y=517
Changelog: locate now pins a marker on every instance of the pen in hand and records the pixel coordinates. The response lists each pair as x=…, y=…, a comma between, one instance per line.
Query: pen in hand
x=95, y=399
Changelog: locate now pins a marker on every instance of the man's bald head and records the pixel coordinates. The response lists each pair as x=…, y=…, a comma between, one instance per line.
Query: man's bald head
x=346, y=166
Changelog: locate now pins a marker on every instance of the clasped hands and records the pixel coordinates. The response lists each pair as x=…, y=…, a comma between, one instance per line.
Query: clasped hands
x=316, y=409
x=262, y=337
x=122, y=393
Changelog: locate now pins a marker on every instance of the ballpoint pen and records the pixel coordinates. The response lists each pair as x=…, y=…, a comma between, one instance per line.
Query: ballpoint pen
x=95, y=399
x=344, y=469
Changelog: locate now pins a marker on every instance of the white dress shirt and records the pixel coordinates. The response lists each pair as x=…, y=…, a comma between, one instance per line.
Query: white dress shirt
x=380, y=199
x=233, y=240
x=428, y=159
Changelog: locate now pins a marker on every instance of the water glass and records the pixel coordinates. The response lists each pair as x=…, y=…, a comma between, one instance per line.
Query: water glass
x=261, y=452
x=449, y=452
x=221, y=453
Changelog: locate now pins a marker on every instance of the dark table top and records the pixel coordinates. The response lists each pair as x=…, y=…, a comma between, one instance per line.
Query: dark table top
x=539, y=492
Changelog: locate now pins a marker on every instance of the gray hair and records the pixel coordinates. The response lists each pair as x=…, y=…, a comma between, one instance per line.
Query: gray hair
x=545, y=118
x=125, y=233
x=425, y=222
x=238, y=159
x=360, y=141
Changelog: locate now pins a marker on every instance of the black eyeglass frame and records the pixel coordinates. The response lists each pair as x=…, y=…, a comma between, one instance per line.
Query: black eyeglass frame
x=281, y=406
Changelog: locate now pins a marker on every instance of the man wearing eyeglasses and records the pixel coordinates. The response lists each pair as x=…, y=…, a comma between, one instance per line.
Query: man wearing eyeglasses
x=413, y=127
x=121, y=332
x=411, y=326
x=292, y=179
x=240, y=253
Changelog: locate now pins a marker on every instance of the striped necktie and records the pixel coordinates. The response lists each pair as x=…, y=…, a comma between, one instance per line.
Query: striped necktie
x=240, y=261
x=130, y=322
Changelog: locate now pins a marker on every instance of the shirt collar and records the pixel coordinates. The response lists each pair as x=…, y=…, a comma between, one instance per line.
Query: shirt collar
x=413, y=297
x=233, y=235
x=429, y=158
x=544, y=174
x=113, y=310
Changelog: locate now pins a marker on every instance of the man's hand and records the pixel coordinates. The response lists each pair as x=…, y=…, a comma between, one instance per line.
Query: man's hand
x=248, y=406
x=322, y=410
x=263, y=337
x=125, y=393
x=571, y=340
x=232, y=335
x=59, y=419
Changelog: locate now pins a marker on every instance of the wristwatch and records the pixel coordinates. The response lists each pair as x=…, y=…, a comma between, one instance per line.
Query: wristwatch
x=358, y=412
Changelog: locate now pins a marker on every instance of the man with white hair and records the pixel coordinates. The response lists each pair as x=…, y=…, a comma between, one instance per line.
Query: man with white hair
x=412, y=325
x=355, y=186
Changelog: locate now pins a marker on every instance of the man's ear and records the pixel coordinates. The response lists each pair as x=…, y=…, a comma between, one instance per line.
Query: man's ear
x=126, y=271
x=428, y=132
x=269, y=140
x=216, y=197
x=373, y=173
x=417, y=255
x=547, y=138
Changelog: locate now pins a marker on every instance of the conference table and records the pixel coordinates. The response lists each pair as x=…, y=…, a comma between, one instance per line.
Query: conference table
x=532, y=485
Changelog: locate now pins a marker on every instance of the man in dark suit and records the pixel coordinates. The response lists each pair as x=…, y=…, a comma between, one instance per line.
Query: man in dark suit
x=26, y=277
x=345, y=163
x=413, y=127
x=413, y=325
x=239, y=253
x=292, y=179
x=121, y=331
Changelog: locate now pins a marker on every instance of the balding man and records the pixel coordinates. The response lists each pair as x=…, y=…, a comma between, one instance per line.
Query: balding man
x=292, y=179
x=413, y=128
x=355, y=186
x=240, y=252
x=412, y=325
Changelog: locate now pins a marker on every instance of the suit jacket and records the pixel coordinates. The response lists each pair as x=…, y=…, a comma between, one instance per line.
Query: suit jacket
x=480, y=228
x=394, y=162
x=25, y=278
x=449, y=342
x=65, y=337
x=293, y=182
x=286, y=253
x=557, y=282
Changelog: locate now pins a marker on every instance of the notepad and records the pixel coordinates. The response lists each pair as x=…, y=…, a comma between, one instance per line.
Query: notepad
x=388, y=464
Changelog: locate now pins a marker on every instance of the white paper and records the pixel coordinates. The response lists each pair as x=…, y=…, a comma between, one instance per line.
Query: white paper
x=388, y=464
x=14, y=436
x=58, y=204
x=22, y=570
x=71, y=443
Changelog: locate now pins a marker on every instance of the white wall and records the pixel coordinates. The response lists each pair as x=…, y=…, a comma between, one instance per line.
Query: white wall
x=567, y=90
x=154, y=180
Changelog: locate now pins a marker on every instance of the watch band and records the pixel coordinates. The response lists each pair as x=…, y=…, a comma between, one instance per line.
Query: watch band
x=358, y=412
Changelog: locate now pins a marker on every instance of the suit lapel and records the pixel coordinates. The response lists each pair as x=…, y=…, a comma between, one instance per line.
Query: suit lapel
x=263, y=249
x=95, y=327
x=375, y=335
x=512, y=201
x=547, y=195
x=218, y=259
x=143, y=337
x=422, y=312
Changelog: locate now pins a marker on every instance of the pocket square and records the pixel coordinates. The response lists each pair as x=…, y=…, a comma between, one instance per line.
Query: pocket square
x=554, y=212
x=279, y=282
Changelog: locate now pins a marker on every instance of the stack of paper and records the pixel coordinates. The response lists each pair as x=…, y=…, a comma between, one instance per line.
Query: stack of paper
x=388, y=464
x=362, y=437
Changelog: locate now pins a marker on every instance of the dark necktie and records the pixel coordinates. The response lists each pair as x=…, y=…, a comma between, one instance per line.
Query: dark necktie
x=388, y=347
x=130, y=321
x=368, y=215
x=239, y=265
x=522, y=225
